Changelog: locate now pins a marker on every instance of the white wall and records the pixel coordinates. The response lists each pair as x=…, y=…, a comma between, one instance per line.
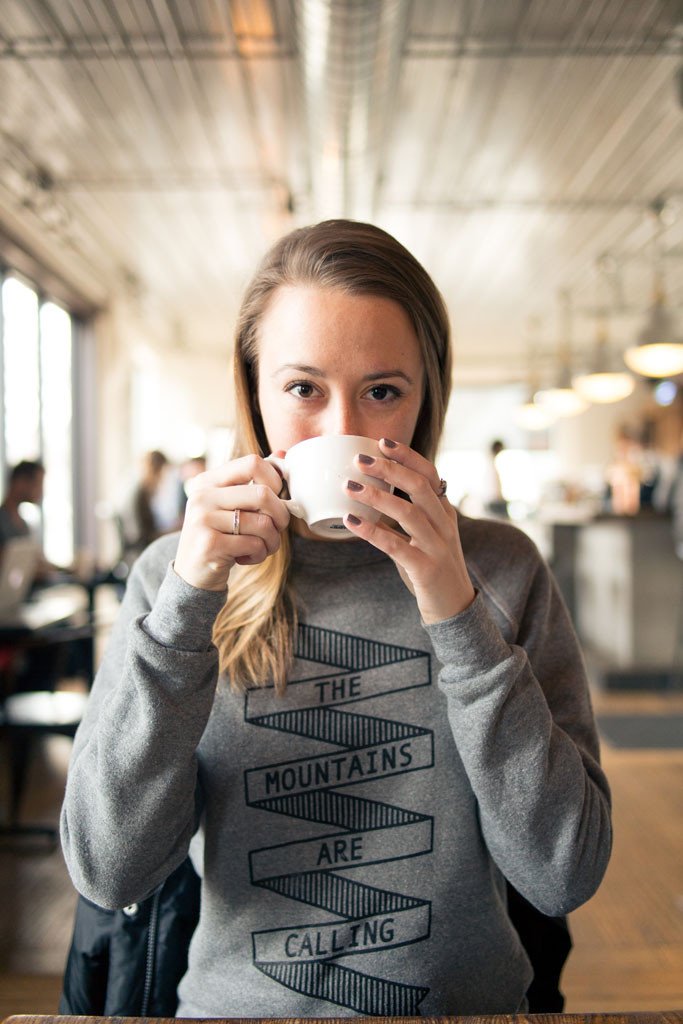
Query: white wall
x=575, y=450
x=152, y=393
x=585, y=443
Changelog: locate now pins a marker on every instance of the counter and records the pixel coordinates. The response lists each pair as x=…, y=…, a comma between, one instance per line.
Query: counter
x=623, y=585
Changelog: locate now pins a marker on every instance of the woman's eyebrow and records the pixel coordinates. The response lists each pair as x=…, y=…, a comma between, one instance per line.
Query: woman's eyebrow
x=315, y=371
x=383, y=374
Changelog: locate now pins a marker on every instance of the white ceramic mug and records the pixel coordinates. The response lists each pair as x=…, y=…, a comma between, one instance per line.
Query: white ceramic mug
x=316, y=471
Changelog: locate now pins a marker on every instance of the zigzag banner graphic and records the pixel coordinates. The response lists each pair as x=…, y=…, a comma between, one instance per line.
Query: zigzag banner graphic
x=304, y=957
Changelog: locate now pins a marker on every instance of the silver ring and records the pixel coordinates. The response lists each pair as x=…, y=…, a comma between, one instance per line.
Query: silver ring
x=443, y=484
x=236, y=522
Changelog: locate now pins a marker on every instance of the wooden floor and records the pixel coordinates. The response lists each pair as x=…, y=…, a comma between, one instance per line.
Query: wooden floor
x=36, y=897
x=628, y=940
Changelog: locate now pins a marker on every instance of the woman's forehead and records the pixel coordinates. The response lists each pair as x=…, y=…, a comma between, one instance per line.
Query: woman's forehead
x=309, y=317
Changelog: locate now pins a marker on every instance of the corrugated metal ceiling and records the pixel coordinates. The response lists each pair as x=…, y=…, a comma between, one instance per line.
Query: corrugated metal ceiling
x=159, y=146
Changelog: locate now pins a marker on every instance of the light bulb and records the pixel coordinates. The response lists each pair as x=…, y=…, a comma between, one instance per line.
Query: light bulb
x=532, y=416
x=604, y=387
x=659, y=359
x=561, y=402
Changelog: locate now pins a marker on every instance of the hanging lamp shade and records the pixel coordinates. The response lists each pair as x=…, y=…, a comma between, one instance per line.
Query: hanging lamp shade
x=561, y=400
x=532, y=416
x=604, y=381
x=658, y=351
x=603, y=388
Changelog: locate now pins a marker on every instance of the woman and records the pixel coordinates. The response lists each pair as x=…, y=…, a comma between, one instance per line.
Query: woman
x=365, y=738
x=140, y=523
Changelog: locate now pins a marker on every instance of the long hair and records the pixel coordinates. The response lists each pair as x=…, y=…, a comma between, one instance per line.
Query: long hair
x=254, y=632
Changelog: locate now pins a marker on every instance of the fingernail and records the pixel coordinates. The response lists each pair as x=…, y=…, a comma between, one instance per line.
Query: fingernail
x=389, y=444
x=354, y=520
x=366, y=460
x=353, y=485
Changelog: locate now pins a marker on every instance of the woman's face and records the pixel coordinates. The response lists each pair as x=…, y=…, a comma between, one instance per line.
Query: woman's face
x=333, y=363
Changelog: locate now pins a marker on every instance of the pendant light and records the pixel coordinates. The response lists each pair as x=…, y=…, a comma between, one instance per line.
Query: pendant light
x=605, y=381
x=562, y=400
x=531, y=415
x=659, y=349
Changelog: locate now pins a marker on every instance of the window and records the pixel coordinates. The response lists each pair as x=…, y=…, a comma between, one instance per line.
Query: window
x=21, y=371
x=56, y=407
x=38, y=406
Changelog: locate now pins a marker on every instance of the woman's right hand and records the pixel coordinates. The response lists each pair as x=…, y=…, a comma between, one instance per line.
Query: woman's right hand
x=208, y=546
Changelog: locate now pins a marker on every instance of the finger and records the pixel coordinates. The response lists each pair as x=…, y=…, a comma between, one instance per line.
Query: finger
x=410, y=517
x=251, y=497
x=226, y=549
x=411, y=482
x=251, y=524
x=238, y=471
x=408, y=457
x=397, y=547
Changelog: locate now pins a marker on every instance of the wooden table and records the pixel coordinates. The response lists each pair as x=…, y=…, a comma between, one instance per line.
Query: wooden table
x=655, y=1017
x=48, y=631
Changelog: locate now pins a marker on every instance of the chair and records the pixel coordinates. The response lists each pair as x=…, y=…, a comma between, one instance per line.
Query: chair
x=28, y=716
x=24, y=718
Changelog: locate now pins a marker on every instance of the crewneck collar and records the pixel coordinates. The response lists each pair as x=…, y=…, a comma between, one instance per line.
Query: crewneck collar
x=331, y=554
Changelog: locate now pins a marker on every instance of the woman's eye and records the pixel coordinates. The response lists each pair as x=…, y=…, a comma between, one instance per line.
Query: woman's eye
x=382, y=392
x=301, y=389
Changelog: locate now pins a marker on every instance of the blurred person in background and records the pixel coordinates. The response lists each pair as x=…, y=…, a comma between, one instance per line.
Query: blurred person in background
x=673, y=501
x=494, y=502
x=189, y=469
x=24, y=484
x=625, y=473
x=38, y=667
x=140, y=521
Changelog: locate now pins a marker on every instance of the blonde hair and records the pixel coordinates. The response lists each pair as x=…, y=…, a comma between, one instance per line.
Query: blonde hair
x=254, y=632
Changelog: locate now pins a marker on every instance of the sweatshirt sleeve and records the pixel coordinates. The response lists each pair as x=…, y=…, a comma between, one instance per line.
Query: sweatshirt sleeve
x=522, y=721
x=131, y=800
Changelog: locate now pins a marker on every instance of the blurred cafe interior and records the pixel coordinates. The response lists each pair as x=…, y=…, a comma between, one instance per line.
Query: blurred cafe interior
x=530, y=154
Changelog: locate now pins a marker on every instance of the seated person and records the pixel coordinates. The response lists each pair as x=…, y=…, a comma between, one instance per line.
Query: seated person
x=25, y=484
x=140, y=522
x=189, y=469
x=38, y=668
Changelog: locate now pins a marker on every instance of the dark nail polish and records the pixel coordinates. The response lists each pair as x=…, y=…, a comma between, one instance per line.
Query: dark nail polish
x=353, y=485
x=389, y=444
x=366, y=460
x=354, y=520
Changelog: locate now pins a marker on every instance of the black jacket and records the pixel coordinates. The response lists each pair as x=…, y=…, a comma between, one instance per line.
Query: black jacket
x=129, y=963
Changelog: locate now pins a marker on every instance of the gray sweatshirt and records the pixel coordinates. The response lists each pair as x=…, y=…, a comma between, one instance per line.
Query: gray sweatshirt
x=354, y=835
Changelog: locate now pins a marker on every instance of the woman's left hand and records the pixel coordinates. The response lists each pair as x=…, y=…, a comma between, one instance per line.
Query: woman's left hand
x=428, y=554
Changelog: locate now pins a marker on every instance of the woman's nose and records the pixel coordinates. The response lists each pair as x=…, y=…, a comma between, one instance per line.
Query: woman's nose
x=342, y=418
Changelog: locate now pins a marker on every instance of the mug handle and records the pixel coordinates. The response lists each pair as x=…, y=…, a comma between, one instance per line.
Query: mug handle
x=294, y=507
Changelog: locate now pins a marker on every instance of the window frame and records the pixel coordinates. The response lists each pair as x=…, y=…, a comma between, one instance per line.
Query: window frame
x=83, y=457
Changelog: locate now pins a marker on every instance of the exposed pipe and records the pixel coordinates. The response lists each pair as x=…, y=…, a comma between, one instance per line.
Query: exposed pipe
x=350, y=53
